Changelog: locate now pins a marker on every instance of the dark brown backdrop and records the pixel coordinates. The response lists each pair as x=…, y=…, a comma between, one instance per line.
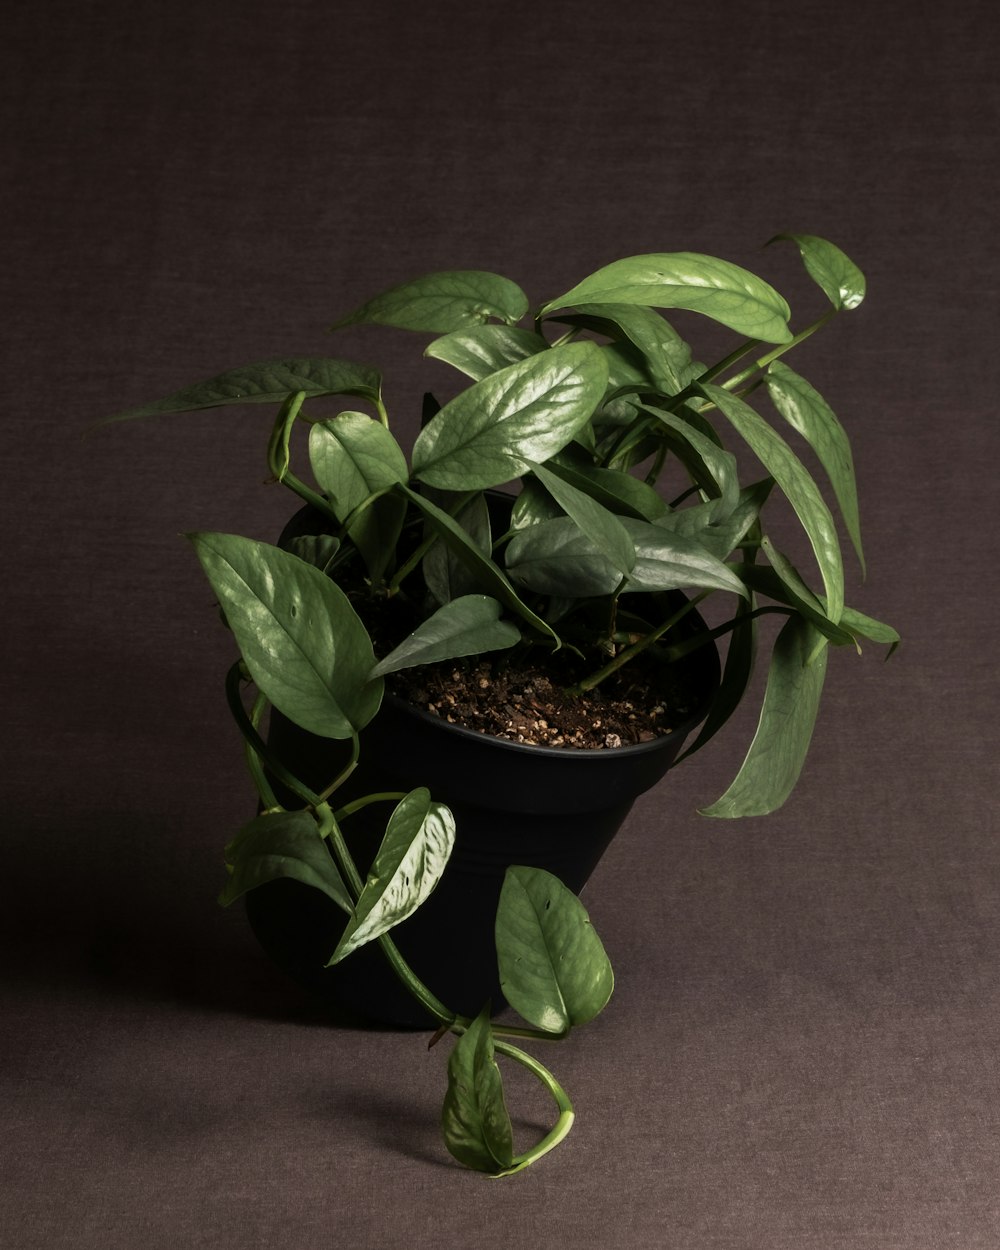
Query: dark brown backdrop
x=802, y=1049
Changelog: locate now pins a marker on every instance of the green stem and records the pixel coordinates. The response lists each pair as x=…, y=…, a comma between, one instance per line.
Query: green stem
x=254, y=740
x=647, y=640
x=253, y=759
x=780, y=350
x=731, y=359
x=562, y=1125
x=386, y=796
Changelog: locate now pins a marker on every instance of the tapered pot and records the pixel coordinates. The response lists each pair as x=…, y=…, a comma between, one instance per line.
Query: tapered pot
x=555, y=808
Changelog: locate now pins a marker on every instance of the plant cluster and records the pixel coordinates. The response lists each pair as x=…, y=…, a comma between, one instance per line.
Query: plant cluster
x=593, y=404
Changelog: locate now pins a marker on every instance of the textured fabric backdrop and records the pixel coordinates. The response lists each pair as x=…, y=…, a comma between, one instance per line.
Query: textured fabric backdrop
x=801, y=1053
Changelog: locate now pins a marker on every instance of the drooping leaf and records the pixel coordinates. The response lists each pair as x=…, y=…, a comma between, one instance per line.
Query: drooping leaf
x=269, y=382
x=736, y=674
x=667, y=355
x=798, y=486
x=787, y=718
x=720, y=536
x=352, y=457
x=553, y=968
x=303, y=643
x=527, y=412
x=446, y=575
x=474, y=1120
x=486, y=349
x=783, y=583
x=282, y=844
x=807, y=411
x=619, y=492
x=466, y=626
x=443, y=302
x=836, y=274
x=867, y=627
x=414, y=853
x=712, y=468
x=705, y=284
x=602, y=527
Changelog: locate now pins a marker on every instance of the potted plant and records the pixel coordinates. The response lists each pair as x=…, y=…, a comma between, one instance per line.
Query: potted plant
x=427, y=580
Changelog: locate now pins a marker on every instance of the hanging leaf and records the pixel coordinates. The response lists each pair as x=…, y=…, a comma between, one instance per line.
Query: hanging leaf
x=282, y=844
x=553, y=968
x=527, y=412
x=353, y=457
x=486, y=349
x=711, y=468
x=667, y=356
x=414, y=853
x=602, y=527
x=782, y=583
x=475, y=1122
x=807, y=411
x=269, y=382
x=466, y=626
x=867, y=627
x=728, y=294
x=787, y=718
x=442, y=302
x=736, y=676
x=303, y=643
x=837, y=275
x=796, y=483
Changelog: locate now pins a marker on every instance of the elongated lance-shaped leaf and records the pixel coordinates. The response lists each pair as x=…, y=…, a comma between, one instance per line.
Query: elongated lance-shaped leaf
x=446, y=576
x=488, y=434
x=486, y=349
x=268, y=382
x=712, y=468
x=782, y=583
x=487, y=574
x=862, y=626
x=798, y=486
x=667, y=356
x=841, y=280
x=474, y=1119
x=806, y=411
x=553, y=968
x=442, y=302
x=617, y=491
x=787, y=718
x=723, y=291
x=303, y=643
x=470, y=625
x=602, y=527
x=282, y=844
x=353, y=457
x=409, y=863
x=719, y=537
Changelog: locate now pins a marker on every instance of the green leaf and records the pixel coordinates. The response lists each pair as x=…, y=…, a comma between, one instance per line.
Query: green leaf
x=446, y=576
x=736, y=676
x=442, y=302
x=798, y=486
x=602, y=527
x=780, y=745
x=720, y=536
x=553, y=968
x=783, y=583
x=713, y=469
x=619, y=492
x=486, y=349
x=475, y=1122
x=667, y=356
x=319, y=550
x=718, y=289
x=414, y=853
x=269, y=382
x=807, y=411
x=867, y=627
x=353, y=457
x=282, y=844
x=466, y=626
x=841, y=280
x=486, y=573
x=488, y=434
x=303, y=643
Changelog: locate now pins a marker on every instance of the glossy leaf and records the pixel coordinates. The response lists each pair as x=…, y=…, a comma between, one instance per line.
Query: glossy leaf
x=467, y=626
x=282, y=844
x=796, y=483
x=446, y=576
x=705, y=284
x=269, y=382
x=486, y=349
x=667, y=356
x=353, y=457
x=619, y=492
x=474, y=1120
x=442, y=302
x=553, y=968
x=721, y=536
x=807, y=411
x=867, y=627
x=414, y=853
x=602, y=527
x=527, y=412
x=712, y=468
x=841, y=280
x=779, y=747
x=303, y=643
x=781, y=582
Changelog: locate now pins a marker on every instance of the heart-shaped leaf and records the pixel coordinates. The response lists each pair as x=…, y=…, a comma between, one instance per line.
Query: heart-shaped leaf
x=841, y=280
x=442, y=302
x=466, y=626
x=353, y=457
x=485, y=349
x=553, y=968
x=475, y=1122
x=303, y=643
x=269, y=382
x=787, y=718
x=705, y=284
x=488, y=434
x=413, y=855
x=282, y=844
